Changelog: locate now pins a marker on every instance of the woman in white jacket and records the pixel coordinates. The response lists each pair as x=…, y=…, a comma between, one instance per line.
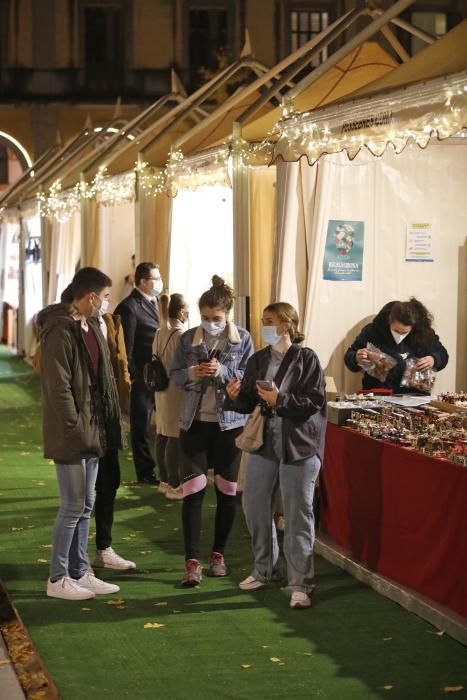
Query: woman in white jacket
x=174, y=314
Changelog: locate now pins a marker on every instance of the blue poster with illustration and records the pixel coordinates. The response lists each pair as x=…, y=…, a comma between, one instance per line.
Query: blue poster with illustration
x=343, y=255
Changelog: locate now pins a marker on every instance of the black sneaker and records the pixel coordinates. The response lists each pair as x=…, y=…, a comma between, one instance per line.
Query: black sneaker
x=151, y=480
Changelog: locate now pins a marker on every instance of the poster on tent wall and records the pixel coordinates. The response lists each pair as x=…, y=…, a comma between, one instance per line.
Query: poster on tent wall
x=343, y=254
x=419, y=243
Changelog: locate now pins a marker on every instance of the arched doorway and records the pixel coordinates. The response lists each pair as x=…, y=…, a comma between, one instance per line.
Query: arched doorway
x=19, y=249
x=14, y=160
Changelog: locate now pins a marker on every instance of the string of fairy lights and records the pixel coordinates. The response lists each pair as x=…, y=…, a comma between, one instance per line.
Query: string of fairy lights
x=403, y=119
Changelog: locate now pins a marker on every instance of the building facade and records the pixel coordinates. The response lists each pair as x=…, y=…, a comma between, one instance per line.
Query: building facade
x=62, y=60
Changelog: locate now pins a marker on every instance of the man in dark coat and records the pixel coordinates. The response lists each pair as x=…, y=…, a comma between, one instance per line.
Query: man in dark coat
x=140, y=319
x=81, y=421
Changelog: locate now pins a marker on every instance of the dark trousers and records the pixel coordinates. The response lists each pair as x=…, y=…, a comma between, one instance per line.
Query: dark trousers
x=141, y=407
x=107, y=483
x=205, y=446
x=168, y=458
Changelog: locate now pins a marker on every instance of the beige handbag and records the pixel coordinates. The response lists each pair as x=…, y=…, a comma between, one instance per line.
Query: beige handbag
x=252, y=436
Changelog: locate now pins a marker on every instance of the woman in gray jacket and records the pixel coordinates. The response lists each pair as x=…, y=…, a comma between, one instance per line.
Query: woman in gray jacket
x=288, y=383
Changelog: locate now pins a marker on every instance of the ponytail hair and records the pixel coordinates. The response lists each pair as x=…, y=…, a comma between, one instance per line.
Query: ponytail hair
x=287, y=314
x=220, y=295
x=177, y=302
x=164, y=310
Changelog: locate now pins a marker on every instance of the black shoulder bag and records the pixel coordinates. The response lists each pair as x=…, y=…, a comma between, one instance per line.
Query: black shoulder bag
x=155, y=376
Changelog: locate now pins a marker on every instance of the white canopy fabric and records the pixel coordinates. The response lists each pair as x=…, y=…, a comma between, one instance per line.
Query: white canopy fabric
x=387, y=195
x=424, y=97
x=64, y=255
x=435, y=108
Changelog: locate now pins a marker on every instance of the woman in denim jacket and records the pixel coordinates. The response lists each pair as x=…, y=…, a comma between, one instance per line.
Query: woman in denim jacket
x=291, y=454
x=208, y=357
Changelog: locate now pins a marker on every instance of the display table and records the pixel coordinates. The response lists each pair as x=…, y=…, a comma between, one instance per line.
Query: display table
x=399, y=512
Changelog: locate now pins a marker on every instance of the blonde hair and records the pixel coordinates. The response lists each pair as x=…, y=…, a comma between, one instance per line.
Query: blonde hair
x=287, y=314
x=164, y=310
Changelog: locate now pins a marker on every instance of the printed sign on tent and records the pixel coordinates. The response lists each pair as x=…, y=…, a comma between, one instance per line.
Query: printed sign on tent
x=343, y=255
x=419, y=243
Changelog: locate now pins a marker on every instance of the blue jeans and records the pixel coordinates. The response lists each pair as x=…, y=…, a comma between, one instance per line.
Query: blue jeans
x=265, y=470
x=70, y=534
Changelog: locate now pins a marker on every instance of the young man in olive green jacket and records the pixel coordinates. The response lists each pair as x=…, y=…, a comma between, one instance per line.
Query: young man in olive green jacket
x=81, y=421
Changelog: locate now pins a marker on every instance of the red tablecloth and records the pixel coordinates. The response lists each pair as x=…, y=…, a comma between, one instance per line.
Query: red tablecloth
x=401, y=513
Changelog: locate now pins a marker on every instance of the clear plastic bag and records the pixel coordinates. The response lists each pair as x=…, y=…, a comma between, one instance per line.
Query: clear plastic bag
x=414, y=378
x=378, y=364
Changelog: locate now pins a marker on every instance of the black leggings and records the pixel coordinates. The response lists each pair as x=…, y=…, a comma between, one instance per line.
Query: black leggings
x=192, y=520
x=205, y=446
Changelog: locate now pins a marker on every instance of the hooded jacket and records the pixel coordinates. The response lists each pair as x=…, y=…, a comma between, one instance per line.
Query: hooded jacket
x=379, y=333
x=81, y=416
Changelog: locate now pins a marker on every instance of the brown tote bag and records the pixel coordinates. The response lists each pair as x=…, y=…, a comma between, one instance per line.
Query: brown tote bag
x=252, y=437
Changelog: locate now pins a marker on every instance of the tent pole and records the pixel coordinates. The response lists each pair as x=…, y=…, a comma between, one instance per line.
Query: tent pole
x=241, y=230
x=203, y=93
x=45, y=252
x=300, y=63
x=395, y=43
x=358, y=39
x=264, y=79
x=85, y=227
x=139, y=202
x=419, y=33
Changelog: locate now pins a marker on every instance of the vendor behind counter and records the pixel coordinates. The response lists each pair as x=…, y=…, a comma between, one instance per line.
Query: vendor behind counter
x=402, y=329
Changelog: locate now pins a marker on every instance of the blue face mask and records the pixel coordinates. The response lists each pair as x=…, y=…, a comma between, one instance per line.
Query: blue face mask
x=213, y=328
x=269, y=335
x=157, y=288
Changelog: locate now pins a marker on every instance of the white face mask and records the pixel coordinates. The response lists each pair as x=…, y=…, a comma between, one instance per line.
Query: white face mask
x=399, y=337
x=158, y=287
x=100, y=310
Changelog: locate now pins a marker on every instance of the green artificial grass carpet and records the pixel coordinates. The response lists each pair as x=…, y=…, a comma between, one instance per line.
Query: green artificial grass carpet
x=214, y=641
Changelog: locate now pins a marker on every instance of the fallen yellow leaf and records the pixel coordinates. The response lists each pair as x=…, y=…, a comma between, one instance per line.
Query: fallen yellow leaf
x=274, y=659
x=46, y=546
x=116, y=601
x=452, y=688
x=440, y=633
x=146, y=551
x=86, y=609
x=42, y=561
x=23, y=454
x=386, y=639
x=153, y=625
x=307, y=653
x=121, y=607
x=388, y=687
x=16, y=529
x=246, y=665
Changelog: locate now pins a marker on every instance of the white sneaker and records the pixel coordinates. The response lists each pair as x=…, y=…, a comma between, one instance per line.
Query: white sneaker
x=251, y=584
x=163, y=486
x=108, y=559
x=174, y=494
x=94, y=584
x=68, y=589
x=300, y=600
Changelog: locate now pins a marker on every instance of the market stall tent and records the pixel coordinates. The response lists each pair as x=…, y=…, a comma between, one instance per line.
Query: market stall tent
x=390, y=159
